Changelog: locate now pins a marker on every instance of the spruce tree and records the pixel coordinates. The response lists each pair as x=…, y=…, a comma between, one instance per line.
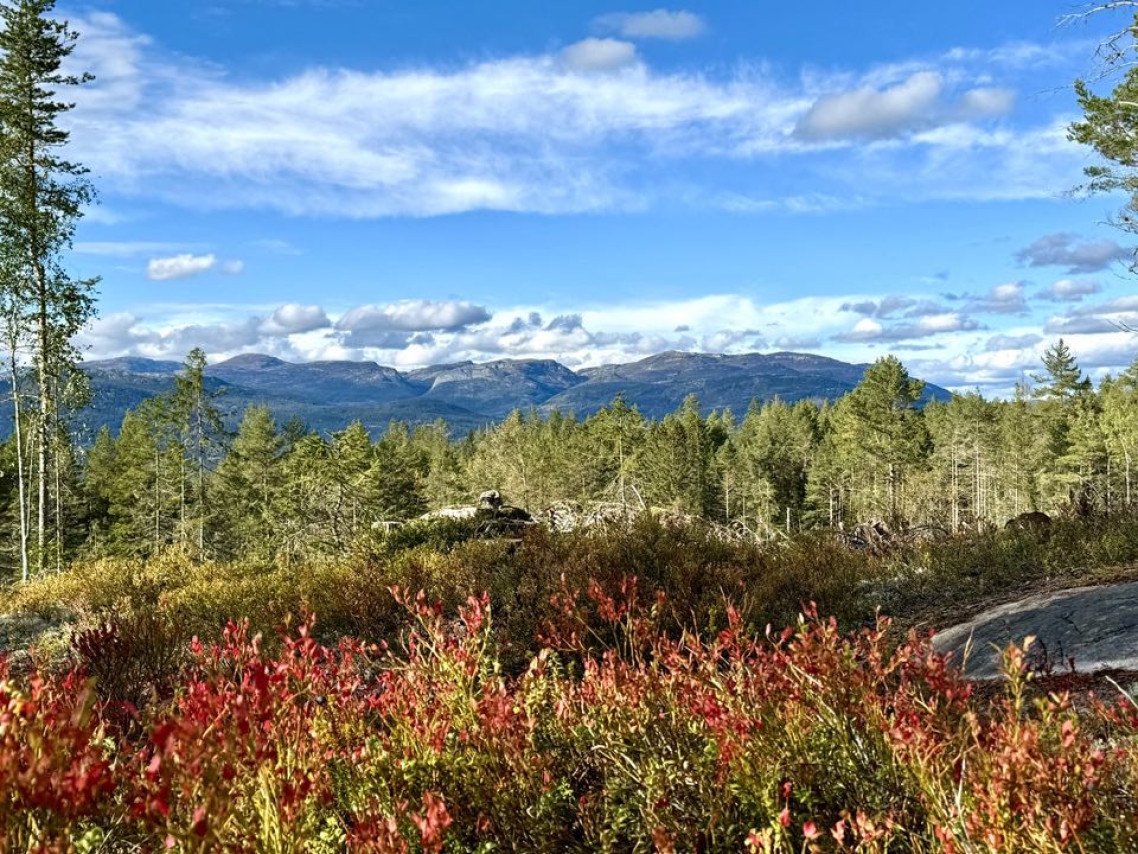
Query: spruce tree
x=247, y=486
x=1062, y=392
x=197, y=421
x=883, y=435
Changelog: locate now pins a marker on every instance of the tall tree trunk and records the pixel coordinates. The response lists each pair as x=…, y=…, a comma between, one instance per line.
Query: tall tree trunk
x=58, y=511
x=21, y=487
x=42, y=426
x=157, y=498
x=201, y=479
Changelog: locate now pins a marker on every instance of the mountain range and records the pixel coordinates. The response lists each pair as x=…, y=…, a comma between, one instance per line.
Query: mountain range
x=329, y=395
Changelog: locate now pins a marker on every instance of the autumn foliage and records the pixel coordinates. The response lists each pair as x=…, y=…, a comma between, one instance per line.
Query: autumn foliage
x=617, y=738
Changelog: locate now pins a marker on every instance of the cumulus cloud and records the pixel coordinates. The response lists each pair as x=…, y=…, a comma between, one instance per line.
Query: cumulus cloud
x=179, y=267
x=394, y=326
x=948, y=347
x=293, y=318
x=792, y=342
x=520, y=325
x=566, y=323
x=1075, y=324
x=657, y=24
x=1070, y=290
x=1007, y=298
x=1012, y=342
x=1064, y=249
x=913, y=104
x=870, y=330
x=599, y=54
x=879, y=308
x=187, y=264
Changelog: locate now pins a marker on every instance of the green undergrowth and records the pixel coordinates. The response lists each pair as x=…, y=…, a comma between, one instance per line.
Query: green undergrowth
x=924, y=584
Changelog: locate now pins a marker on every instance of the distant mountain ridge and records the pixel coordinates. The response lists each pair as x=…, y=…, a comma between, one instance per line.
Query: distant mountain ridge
x=330, y=395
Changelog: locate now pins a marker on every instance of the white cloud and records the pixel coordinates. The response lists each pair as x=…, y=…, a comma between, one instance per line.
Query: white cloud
x=979, y=103
x=1009, y=293
x=293, y=318
x=1064, y=249
x=869, y=330
x=416, y=333
x=872, y=113
x=657, y=24
x=1070, y=290
x=187, y=264
x=530, y=133
x=179, y=267
x=913, y=104
x=599, y=54
x=413, y=316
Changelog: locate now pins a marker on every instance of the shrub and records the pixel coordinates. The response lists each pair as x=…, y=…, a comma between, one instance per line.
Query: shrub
x=809, y=740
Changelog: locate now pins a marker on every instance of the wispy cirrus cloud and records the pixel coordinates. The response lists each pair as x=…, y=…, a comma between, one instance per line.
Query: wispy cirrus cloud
x=588, y=128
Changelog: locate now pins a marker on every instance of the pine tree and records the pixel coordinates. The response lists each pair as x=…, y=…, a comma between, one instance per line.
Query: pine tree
x=676, y=464
x=882, y=436
x=308, y=499
x=1110, y=122
x=443, y=480
x=1063, y=380
x=398, y=476
x=247, y=486
x=776, y=444
x=1120, y=428
x=198, y=423
x=614, y=436
x=1062, y=392
x=15, y=325
x=41, y=200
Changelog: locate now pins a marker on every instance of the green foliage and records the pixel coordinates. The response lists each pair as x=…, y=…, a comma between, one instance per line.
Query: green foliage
x=1109, y=121
x=42, y=196
x=283, y=496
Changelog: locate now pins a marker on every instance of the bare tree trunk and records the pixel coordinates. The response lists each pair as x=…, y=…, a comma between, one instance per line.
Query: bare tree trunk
x=58, y=511
x=182, y=500
x=201, y=481
x=42, y=428
x=1127, y=453
x=157, y=498
x=20, y=475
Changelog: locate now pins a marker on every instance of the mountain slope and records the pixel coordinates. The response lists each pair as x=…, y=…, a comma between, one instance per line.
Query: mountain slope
x=329, y=395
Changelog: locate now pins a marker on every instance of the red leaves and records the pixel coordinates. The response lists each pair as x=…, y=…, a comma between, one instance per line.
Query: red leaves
x=432, y=823
x=431, y=748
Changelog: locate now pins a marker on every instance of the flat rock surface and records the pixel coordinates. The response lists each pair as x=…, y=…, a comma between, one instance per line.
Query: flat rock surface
x=1095, y=626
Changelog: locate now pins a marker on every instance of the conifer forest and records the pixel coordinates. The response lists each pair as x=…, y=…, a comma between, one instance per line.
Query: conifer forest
x=889, y=618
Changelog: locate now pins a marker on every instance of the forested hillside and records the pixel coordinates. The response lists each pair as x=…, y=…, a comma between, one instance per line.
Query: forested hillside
x=173, y=475
x=327, y=395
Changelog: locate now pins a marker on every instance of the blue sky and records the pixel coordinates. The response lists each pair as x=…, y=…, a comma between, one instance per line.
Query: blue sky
x=422, y=182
